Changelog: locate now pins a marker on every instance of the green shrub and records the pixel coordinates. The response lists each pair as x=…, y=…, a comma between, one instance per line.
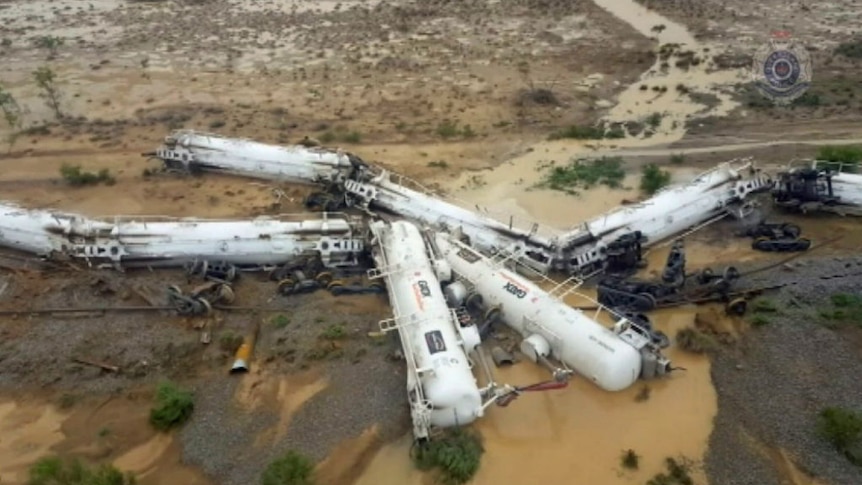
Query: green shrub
x=455, y=456
x=576, y=132
x=654, y=179
x=843, y=429
x=173, y=406
x=585, y=174
x=74, y=175
x=630, y=459
x=847, y=158
x=291, y=469
x=51, y=470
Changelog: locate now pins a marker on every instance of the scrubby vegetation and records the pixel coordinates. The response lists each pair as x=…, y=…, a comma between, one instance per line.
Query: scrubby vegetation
x=576, y=132
x=173, y=407
x=53, y=470
x=291, y=469
x=585, y=174
x=852, y=49
x=845, y=309
x=630, y=459
x=847, y=158
x=653, y=179
x=455, y=456
x=74, y=175
x=677, y=474
x=843, y=428
x=693, y=340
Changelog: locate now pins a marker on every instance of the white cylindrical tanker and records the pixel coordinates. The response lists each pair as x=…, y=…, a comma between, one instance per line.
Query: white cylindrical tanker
x=612, y=359
x=441, y=387
x=296, y=163
x=166, y=241
x=670, y=212
x=485, y=233
x=848, y=188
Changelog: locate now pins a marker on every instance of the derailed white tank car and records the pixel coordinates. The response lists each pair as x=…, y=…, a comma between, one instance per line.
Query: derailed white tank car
x=379, y=193
x=169, y=242
x=193, y=151
x=670, y=213
x=819, y=186
x=441, y=388
x=612, y=359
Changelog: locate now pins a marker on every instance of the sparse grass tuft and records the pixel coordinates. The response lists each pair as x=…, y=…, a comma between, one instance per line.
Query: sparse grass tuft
x=438, y=164
x=585, y=174
x=630, y=459
x=677, y=159
x=843, y=429
x=845, y=308
x=229, y=341
x=693, y=340
x=449, y=129
x=75, y=176
x=173, y=407
x=852, y=49
x=280, y=321
x=677, y=474
x=291, y=469
x=456, y=456
x=52, y=470
x=576, y=132
x=653, y=179
x=334, y=332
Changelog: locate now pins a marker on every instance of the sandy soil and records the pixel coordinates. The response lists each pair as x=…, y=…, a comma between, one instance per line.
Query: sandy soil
x=447, y=93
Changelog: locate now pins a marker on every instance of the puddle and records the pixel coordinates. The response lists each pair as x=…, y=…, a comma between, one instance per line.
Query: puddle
x=27, y=432
x=541, y=437
x=113, y=429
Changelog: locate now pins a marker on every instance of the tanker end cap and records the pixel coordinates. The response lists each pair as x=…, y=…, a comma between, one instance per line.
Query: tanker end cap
x=240, y=366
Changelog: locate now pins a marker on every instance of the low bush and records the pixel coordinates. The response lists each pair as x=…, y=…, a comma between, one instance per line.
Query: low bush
x=173, y=407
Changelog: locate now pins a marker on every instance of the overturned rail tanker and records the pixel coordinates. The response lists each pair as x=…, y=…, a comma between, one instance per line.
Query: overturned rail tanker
x=167, y=242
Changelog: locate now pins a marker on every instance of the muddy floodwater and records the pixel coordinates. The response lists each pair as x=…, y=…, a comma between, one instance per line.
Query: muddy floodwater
x=578, y=434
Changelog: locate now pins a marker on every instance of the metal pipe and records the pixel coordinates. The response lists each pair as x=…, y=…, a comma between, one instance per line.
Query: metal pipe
x=243, y=353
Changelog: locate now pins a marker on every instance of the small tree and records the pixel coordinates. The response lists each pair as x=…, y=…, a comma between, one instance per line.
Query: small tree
x=291, y=469
x=654, y=179
x=11, y=113
x=46, y=79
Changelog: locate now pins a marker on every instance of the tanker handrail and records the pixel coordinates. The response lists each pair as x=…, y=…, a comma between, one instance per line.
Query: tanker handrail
x=285, y=217
x=172, y=138
x=412, y=184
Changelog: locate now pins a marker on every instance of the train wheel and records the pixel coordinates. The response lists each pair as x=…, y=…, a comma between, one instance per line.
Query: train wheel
x=474, y=301
x=286, y=286
x=226, y=294
x=736, y=307
x=648, y=301
x=324, y=278
x=731, y=274
x=762, y=244
x=791, y=231
x=334, y=284
x=803, y=244
x=492, y=316
x=704, y=276
x=377, y=287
